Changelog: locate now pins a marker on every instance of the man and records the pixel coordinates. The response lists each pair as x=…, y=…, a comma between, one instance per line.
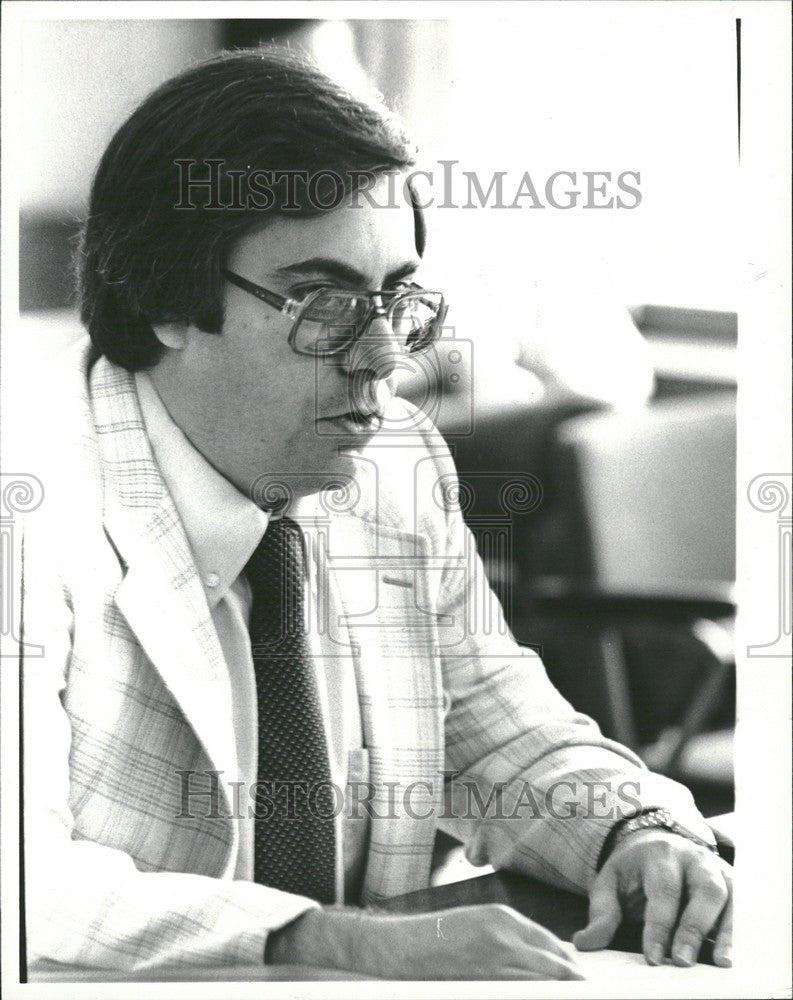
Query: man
x=253, y=589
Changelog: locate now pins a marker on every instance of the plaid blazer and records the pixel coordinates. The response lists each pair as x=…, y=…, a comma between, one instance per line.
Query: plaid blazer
x=131, y=688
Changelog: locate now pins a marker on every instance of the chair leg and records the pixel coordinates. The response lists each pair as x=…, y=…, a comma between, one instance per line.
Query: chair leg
x=666, y=754
x=615, y=680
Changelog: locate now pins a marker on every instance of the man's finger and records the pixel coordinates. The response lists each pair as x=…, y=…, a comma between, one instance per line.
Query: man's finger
x=722, y=949
x=708, y=894
x=605, y=913
x=539, y=937
x=542, y=965
x=663, y=885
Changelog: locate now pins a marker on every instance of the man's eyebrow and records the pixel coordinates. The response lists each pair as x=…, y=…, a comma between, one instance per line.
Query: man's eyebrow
x=339, y=269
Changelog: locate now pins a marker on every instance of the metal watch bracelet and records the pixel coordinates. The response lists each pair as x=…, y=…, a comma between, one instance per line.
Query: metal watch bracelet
x=651, y=819
x=659, y=819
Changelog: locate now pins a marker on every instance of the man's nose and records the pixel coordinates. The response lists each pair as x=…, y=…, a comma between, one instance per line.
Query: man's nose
x=375, y=355
x=371, y=364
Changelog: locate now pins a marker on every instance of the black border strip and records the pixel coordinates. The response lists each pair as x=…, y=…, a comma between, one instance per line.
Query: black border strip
x=738, y=75
x=23, y=949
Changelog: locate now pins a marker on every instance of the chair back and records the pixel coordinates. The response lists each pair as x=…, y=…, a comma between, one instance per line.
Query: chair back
x=656, y=495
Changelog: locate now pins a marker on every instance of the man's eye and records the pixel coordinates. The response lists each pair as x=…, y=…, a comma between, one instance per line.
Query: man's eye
x=304, y=291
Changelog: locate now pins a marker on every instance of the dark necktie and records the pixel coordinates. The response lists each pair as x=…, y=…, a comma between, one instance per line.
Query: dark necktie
x=294, y=838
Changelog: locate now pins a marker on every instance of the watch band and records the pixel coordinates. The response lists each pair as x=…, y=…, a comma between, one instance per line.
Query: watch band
x=659, y=819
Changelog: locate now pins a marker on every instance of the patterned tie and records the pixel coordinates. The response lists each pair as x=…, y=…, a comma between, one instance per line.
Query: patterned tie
x=294, y=836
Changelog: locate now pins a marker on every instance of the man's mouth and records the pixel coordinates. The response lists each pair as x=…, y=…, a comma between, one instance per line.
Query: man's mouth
x=356, y=422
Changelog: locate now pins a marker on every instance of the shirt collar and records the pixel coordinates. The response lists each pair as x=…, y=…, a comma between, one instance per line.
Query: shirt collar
x=222, y=525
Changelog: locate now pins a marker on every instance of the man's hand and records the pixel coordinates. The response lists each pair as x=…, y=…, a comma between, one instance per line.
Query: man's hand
x=684, y=891
x=469, y=942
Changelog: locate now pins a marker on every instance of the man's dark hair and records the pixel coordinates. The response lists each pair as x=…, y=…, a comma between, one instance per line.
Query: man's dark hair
x=143, y=261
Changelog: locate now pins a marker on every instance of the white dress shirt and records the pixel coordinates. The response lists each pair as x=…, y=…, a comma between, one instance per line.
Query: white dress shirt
x=223, y=527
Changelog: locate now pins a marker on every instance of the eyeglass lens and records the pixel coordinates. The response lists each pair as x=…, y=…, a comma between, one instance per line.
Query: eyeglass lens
x=331, y=320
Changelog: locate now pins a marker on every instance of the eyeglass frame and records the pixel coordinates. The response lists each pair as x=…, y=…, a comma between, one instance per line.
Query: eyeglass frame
x=293, y=309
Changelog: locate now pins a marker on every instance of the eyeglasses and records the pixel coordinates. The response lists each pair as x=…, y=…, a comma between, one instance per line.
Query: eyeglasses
x=329, y=320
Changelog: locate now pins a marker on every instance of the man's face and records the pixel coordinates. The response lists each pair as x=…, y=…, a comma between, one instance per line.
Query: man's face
x=255, y=409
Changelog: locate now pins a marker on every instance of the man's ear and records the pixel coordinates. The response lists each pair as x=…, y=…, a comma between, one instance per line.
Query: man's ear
x=171, y=335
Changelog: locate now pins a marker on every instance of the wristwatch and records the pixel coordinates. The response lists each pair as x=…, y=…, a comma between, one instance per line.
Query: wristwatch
x=658, y=819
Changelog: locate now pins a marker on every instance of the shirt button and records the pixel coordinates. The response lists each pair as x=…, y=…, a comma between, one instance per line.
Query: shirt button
x=212, y=580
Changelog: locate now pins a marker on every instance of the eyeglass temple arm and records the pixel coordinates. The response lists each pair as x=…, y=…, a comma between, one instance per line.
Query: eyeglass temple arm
x=271, y=298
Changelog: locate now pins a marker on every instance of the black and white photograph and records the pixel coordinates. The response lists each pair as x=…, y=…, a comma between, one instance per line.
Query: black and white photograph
x=396, y=499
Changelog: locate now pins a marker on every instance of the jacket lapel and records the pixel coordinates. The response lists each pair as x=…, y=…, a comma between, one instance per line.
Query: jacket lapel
x=161, y=595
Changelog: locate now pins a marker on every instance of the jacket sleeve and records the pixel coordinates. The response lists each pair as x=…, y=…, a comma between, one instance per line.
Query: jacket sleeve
x=87, y=904
x=555, y=785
